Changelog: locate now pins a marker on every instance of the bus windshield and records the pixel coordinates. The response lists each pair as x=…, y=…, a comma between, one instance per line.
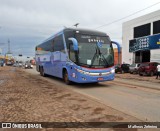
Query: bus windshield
x=94, y=51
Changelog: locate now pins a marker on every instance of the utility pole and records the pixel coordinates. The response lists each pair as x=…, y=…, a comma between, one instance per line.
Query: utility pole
x=0, y=51
x=0, y=48
x=9, y=50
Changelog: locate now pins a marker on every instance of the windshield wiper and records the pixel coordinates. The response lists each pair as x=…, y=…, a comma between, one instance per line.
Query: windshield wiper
x=105, y=61
x=84, y=64
x=99, y=54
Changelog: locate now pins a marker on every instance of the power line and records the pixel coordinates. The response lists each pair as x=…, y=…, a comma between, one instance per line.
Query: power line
x=127, y=16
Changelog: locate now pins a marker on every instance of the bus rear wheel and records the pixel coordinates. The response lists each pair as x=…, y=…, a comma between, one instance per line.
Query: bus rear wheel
x=65, y=78
x=42, y=72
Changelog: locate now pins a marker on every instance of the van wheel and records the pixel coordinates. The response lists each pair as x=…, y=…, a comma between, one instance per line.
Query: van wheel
x=65, y=78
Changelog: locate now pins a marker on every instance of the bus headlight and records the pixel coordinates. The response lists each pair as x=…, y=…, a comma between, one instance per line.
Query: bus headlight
x=81, y=71
x=112, y=71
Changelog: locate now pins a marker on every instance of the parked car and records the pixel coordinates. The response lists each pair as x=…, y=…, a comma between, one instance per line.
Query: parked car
x=18, y=64
x=149, y=68
x=133, y=68
x=9, y=62
x=122, y=68
x=28, y=65
x=15, y=65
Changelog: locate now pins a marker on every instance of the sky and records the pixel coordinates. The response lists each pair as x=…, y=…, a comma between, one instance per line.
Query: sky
x=26, y=23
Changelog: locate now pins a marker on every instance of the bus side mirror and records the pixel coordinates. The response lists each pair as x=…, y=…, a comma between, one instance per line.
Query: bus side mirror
x=119, y=50
x=75, y=43
x=118, y=46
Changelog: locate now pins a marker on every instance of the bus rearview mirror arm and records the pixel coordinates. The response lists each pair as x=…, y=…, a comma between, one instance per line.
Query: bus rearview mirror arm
x=119, y=49
x=75, y=43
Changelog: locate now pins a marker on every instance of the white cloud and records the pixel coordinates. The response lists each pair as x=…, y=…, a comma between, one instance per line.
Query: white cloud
x=41, y=18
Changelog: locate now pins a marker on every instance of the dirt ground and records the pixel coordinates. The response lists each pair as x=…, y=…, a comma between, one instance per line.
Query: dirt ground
x=27, y=98
x=137, y=77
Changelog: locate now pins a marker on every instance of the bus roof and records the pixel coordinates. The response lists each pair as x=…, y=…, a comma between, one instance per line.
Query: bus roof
x=80, y=30
x=86, y=31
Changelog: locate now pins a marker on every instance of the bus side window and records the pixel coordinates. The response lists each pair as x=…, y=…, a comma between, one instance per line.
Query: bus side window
x=58, y=43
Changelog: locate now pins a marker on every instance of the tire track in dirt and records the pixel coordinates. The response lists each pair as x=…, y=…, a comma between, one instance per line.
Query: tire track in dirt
x=31, y=98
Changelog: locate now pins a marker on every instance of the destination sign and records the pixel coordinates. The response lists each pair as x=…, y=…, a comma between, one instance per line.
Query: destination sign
x=91, y=39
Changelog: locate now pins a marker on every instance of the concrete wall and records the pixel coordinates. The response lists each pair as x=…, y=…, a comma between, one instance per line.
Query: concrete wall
x=128, y=34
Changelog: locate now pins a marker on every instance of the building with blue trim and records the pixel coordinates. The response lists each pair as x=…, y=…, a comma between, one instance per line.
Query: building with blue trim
x=141, y=39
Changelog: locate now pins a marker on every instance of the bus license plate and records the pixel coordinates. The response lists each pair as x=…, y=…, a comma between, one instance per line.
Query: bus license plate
x=100, y=79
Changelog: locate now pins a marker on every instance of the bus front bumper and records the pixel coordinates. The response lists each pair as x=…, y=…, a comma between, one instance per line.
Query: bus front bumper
x=81, y=78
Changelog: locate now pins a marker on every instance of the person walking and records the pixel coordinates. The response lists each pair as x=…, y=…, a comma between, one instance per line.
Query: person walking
x=158, y=71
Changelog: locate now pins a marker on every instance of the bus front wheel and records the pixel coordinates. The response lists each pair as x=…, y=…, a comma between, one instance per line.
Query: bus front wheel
x=65, y=78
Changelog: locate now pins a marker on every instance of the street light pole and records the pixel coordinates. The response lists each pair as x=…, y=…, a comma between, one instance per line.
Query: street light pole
x=0, y=51
x=9, y=51
x=76, y=25
x=0, y=44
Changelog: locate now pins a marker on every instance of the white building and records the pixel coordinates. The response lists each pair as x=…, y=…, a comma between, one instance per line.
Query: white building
x=141, y=39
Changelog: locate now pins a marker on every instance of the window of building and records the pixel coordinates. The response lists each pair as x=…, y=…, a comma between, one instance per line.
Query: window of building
x=156, y=27
x=143, y=30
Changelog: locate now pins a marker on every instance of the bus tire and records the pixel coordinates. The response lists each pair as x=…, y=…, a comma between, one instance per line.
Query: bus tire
x=38, y=68
x=65, y=78
x=42, y=72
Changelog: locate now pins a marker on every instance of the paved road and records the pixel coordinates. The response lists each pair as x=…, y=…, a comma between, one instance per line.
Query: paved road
x=137, y=100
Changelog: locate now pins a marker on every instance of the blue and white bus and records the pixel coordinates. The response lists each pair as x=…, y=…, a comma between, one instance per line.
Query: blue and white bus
x=77, y=55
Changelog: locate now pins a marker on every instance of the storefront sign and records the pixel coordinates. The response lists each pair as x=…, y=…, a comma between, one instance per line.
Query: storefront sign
x=145, y=43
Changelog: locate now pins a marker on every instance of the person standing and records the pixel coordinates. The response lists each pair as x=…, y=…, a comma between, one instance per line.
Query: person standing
x=158, y=71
